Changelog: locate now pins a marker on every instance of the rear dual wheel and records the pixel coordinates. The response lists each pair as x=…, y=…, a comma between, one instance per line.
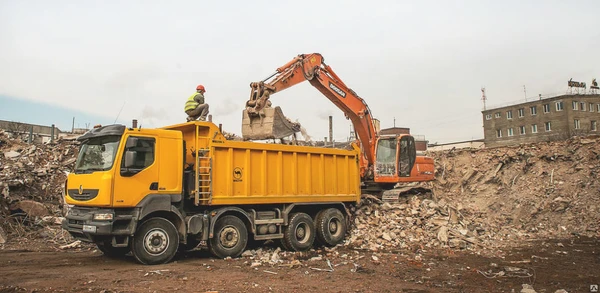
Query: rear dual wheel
x=331, y=227
x=299, y=234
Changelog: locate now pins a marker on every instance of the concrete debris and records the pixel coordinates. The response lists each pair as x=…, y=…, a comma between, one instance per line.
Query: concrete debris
x=527, y=289
x=71, y=245
x=3, y=237
x=30, y=208
x=561, y=291
x=11, y=154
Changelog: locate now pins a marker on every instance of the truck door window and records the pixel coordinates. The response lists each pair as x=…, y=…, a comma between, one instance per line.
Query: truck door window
x=143, y=156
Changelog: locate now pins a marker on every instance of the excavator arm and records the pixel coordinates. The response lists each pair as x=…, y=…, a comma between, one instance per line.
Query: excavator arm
x=312, y=68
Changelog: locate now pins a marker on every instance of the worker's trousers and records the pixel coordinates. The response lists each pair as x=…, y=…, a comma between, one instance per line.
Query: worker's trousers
x=200, y=112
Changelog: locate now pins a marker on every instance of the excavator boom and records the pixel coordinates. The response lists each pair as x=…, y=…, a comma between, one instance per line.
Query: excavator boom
x=261, y=121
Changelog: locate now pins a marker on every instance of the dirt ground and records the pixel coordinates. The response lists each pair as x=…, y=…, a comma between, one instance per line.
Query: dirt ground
x=572, y=265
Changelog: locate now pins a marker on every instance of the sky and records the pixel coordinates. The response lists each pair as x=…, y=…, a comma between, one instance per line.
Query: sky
x=419, y=63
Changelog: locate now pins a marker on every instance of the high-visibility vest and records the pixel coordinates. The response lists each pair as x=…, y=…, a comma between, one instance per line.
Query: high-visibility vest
x=191, y=104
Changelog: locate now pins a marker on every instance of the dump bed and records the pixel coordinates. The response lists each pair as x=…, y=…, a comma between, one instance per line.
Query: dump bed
x=230, y=172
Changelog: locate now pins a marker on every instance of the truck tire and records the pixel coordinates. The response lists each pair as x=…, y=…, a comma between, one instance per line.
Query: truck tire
x=299, y=234
x=155, y=241
x=230, y=237
x=110, y=251
x=331, y=227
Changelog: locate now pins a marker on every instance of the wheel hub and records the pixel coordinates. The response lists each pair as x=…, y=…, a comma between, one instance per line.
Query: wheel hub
x=333, y=226
x=229, y=237
x=156, y=241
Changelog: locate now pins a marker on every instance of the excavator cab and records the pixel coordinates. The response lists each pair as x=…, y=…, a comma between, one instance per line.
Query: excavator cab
x=395, y=156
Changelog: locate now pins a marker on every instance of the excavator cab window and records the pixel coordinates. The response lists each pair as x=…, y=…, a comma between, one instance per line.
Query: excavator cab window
x=386, y=157
x=406, y=156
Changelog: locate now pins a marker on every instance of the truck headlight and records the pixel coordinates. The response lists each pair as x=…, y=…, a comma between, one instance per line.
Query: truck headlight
x=103, y=217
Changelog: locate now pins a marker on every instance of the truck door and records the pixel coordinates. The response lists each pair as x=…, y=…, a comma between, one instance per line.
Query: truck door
x=140, y=178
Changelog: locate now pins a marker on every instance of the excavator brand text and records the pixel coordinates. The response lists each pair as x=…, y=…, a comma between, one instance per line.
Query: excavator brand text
x=337, y=90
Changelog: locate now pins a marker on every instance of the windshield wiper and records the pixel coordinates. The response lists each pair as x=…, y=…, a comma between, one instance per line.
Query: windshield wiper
x=88, y=170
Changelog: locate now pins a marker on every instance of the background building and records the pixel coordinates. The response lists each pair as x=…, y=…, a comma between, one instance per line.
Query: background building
x=541, y=120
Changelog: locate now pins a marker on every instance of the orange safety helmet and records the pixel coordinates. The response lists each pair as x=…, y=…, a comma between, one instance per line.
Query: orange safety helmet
x=200, y=87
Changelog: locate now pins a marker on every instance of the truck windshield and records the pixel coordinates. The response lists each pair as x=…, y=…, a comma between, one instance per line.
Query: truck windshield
x=97, y=154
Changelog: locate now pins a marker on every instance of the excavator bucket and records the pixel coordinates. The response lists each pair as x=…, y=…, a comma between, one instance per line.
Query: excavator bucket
x=270, y=123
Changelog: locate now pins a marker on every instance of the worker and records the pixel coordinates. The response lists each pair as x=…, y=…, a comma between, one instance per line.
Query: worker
x=195, y=107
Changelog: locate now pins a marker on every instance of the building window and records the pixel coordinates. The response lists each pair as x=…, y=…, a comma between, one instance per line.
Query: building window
x=533, y=128
x=577, y=125
x=598, y=107
x=593, y=126
x=498, y=133
x=497, y=115
x=521, y=112
x=533, y=110
x=510, y=132
x=559, y=106
x=548, y=128
x=582, y=104
x=591, y=107
x=575, y=103
x=488, y=116
x=546, y=108
x=522, y=130
x=508, y=114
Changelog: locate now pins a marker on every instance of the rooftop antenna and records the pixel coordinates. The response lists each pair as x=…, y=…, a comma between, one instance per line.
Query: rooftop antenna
x=483, y=97
x=525, y=91
x=119, y=112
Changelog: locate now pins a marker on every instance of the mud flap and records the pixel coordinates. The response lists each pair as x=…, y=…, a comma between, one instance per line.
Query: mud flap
x=270, y=123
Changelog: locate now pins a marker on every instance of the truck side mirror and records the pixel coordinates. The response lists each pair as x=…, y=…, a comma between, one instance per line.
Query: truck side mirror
x=131, y=142
x=129, y=158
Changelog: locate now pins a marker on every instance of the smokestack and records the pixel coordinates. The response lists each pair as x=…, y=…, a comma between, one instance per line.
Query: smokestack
x=134, y=123
x=331, y=129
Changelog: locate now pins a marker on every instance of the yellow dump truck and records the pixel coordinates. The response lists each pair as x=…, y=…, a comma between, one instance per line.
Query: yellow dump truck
x=152, y=192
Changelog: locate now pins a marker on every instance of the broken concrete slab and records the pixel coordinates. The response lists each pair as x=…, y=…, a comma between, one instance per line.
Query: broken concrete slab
x=31, y=208
x=11, y=154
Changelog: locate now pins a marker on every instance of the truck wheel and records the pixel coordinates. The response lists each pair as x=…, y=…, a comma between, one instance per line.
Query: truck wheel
x=331, y=227
x=230, y=237
x=111, y=251
x=299, y=234
x=155, y=241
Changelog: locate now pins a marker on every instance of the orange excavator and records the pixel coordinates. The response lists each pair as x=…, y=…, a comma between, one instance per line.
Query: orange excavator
x=387, y=159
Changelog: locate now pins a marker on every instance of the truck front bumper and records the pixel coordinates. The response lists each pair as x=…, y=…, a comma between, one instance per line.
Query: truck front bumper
x=80, y=223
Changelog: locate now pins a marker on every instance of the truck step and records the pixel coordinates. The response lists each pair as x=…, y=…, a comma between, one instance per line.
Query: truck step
x=268, y=236
x=268, y=221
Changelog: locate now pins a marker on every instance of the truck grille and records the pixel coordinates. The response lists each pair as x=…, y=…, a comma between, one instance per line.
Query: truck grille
x=84, y=195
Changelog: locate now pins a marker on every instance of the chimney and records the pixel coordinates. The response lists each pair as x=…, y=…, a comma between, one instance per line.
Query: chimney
x=134, y=123
x=331, y=129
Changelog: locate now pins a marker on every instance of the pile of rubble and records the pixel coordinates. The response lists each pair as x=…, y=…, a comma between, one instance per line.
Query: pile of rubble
x=32, y=177
x=492, y=198
x=416, y=222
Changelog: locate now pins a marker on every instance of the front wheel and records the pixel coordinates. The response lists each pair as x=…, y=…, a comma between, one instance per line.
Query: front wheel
x=230, y=237
x=155, y=242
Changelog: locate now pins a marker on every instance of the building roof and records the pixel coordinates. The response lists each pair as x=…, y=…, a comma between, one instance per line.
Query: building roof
x=538, y=101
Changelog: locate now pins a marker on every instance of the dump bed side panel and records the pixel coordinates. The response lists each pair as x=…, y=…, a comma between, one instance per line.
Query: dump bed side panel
x=236, y=172
x=254, y=173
